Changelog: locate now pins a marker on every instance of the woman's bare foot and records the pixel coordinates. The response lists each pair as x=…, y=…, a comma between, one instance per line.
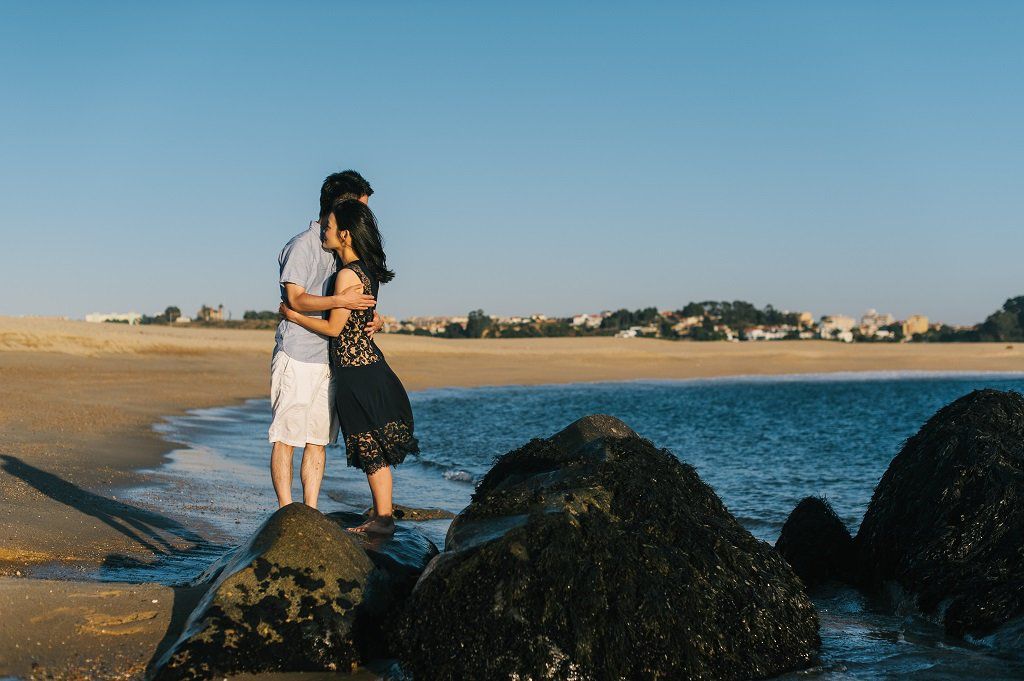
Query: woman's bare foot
x=376, y=525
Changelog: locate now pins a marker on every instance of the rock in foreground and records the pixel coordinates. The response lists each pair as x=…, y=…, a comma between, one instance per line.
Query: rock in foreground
x=946, y=522
x=593, y=554
x=816, y=543
x=301, y=595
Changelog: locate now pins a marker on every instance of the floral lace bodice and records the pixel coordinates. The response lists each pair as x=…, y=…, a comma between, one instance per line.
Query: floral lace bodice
x=352, y=347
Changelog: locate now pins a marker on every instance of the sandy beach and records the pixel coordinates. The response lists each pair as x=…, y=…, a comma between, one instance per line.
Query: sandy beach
x=78, y=405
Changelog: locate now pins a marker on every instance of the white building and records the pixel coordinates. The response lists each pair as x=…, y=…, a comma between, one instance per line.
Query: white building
x=871, y=323
x=100, y=317
x=589, y=321
x=636, y=331
x=770, y=333
x=831, y=326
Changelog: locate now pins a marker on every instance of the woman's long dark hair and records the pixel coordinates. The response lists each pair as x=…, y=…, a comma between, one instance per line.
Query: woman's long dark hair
x=356, y=217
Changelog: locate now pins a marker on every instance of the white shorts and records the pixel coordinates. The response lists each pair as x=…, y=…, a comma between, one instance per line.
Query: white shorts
x=302, y=399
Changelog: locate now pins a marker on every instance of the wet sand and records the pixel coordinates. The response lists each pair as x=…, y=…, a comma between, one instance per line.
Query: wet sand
x=77, y=405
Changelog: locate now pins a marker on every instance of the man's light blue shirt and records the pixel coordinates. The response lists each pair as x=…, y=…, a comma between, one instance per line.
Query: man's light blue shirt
x=303, y=261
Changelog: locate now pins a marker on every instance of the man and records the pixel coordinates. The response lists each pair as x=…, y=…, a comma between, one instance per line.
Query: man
x=300, y=378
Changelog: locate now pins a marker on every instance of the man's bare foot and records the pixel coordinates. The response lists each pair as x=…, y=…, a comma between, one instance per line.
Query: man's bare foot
x=376, y=525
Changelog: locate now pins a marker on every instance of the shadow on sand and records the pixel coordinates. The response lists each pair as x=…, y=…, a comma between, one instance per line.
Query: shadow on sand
x=168, y=541
x=148, y=529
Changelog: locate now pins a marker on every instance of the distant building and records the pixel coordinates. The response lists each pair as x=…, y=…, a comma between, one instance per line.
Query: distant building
x=916, y=323
x=805, y=319
x=587, y=321
x=768, y=333
x=183, y=320
x=637, y=331
x=831, y=326
x=432, y=325
x=209, y=314
x=871, y=323
x=121, y=317
x=687, y=323
x=730, y=335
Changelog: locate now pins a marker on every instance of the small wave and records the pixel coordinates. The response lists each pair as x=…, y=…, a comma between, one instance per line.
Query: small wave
x=430, y=463
x=458, y=476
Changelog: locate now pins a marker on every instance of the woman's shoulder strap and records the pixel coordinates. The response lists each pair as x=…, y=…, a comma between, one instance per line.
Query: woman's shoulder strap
x=360, y=271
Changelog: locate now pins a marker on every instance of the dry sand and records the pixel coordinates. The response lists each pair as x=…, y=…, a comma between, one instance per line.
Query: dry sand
x=77, y=405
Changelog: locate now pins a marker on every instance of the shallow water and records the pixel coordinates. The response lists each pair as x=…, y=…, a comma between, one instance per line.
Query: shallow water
x=761, y=443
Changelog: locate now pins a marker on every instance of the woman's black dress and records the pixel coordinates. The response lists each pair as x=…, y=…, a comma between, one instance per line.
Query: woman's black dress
x=372, y=405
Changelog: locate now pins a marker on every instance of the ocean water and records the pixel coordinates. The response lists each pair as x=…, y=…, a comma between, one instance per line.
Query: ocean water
x=762, y=443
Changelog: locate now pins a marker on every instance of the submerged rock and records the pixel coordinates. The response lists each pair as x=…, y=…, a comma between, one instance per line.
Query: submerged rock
x=816, y=543
x=946, y=522
x=402, y=512
x=301, y=595
x=593, y=554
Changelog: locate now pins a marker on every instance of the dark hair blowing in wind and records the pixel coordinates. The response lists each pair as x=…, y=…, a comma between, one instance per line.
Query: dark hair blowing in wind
x=358, y=219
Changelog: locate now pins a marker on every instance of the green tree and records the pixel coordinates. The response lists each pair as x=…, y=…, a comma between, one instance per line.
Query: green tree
x=623, y=319
x=172, y=313
x=1006, y=324
x=478, y=324
x=454, y=330
x=692, y=310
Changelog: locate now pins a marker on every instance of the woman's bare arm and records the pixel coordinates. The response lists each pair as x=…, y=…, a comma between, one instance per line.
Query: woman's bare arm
x=298, y=299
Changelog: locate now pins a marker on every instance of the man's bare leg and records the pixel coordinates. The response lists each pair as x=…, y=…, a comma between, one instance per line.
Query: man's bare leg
x=312, y=473
x=381, y=521
x=281, y=472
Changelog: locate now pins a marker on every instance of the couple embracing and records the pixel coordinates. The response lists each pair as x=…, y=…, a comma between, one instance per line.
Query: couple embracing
x=327, y=372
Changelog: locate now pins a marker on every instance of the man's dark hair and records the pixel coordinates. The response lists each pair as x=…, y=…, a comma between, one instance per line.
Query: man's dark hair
x=348, y=184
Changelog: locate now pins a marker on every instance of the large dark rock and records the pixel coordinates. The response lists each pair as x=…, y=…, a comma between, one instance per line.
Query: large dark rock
x=301, y=595
x=816, y=543
x=946, y=522
x=593, y=554
x=399, y=560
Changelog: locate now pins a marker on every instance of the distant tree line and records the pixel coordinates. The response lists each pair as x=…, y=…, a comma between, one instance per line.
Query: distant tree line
x=170, y=315
x=714, y=314
x=1003, y=325
x=1006, y=324
x=262, y=315
x=739, y=313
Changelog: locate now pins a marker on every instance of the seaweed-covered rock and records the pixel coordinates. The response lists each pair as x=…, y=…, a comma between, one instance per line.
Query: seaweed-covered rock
x=946, y=522
x=399, y=560
x=301, y=595
x=593, y=554
x=816, y=543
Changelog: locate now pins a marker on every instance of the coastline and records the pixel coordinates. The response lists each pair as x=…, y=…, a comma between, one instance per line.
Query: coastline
x=80, y=402
x=78, y=411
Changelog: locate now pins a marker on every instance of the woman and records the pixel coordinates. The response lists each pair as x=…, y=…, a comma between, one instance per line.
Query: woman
x=371, y=403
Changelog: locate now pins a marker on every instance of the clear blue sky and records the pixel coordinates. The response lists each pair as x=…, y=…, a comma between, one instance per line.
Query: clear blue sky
x=547, y=157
